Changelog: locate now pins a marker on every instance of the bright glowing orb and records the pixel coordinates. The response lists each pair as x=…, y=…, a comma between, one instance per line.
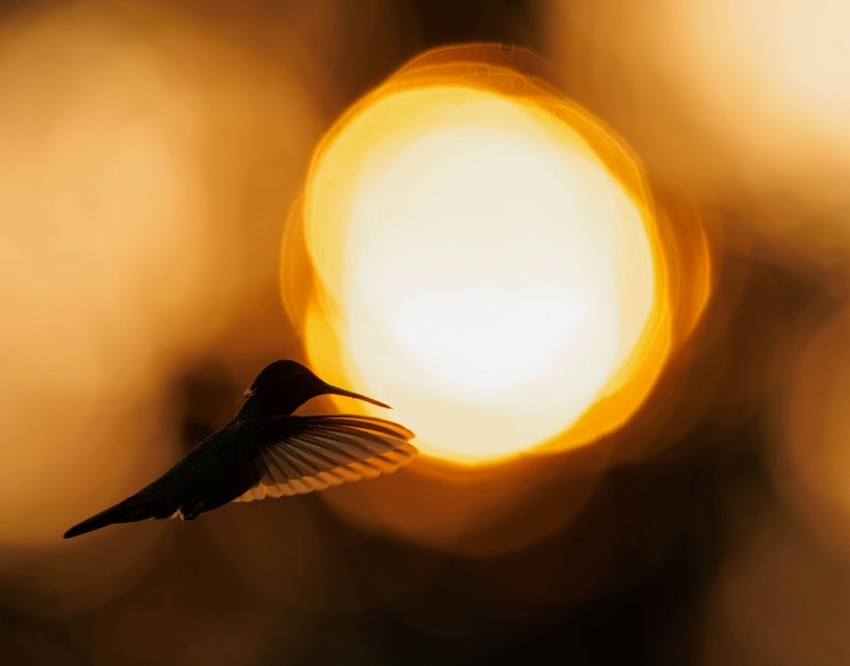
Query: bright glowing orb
x=480, y=266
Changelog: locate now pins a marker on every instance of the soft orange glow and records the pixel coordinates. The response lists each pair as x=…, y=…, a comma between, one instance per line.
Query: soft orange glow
x=812, y=460
x=115, y=230
x=487, y=259
x=739, y=105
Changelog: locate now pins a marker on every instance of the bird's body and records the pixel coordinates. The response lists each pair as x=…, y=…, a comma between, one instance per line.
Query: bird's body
x=265, y=451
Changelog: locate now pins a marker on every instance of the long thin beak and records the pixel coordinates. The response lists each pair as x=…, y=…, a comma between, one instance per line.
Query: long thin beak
x=351, y=394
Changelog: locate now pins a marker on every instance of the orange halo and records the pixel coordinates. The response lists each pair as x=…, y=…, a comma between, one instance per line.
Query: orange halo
x=486, y=257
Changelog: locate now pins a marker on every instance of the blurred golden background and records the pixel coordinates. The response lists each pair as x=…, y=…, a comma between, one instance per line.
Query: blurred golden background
x=153, y=154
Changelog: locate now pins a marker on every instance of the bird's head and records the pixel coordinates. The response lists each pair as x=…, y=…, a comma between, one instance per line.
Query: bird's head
x=296, y=382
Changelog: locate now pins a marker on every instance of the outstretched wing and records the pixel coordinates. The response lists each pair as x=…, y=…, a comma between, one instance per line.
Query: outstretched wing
x=300, y=454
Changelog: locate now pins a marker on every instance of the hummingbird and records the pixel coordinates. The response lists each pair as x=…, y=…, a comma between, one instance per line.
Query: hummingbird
x=266, y=451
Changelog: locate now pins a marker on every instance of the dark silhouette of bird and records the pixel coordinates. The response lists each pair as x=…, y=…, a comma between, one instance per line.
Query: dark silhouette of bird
x=265, y=451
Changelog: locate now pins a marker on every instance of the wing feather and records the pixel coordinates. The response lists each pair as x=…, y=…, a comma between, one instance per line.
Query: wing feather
x=303, y=454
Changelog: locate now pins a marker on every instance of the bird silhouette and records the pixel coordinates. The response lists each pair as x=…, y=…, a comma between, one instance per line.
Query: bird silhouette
x=265, y=451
